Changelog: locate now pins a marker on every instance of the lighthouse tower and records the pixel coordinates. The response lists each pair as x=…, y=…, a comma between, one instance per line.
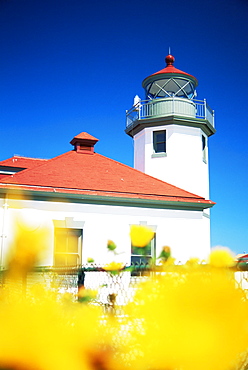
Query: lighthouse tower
x=170, y=129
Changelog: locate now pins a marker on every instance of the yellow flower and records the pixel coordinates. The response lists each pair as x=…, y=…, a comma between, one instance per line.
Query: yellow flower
x=193, y=262
x=27, y=248
x=188, y=320
x=111, y=245
x=113, y=266
x=90, y=260
x=44, y=332
x=165, y=253
x=35, y=335
x=86, y=295
x=169, y=262
x=141, y=235
x=221, y=257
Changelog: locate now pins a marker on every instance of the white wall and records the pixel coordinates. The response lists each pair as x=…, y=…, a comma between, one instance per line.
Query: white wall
x=140, y=145
x=186, y=232
x=183, y=165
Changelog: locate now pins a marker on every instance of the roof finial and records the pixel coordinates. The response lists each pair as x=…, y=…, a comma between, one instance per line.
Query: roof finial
x=169, y=59
x=169, y=50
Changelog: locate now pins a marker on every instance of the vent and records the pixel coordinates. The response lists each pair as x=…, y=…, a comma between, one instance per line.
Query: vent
x=84, y=143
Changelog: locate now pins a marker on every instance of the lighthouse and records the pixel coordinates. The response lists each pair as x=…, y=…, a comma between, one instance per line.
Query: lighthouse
x=170, y=129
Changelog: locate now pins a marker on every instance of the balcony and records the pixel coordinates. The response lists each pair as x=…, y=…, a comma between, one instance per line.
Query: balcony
x=167, y=107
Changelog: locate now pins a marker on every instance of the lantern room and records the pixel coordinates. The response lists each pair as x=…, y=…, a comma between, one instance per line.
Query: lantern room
x=170, y=82
x=170, y=95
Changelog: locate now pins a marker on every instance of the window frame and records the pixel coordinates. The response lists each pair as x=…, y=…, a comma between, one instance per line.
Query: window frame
x=204, y=148
x=157, y=142
x=144, y=258
x=69, y=223
x=67, y=254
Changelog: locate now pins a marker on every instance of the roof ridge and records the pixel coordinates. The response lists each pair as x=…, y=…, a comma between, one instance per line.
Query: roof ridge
x=85, y=136
x=24, y=157
x=16, y=157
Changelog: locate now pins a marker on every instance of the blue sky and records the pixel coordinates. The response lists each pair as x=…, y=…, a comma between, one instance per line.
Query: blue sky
x=68, y=66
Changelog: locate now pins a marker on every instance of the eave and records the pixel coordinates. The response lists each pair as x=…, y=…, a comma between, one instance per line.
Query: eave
x=104, y=198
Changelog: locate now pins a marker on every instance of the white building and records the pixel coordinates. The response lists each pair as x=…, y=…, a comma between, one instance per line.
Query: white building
x=85, y=199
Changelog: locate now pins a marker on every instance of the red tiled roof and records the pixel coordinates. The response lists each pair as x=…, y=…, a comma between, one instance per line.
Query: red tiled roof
x=23, y=162
x=2, y=175
x=81, y=173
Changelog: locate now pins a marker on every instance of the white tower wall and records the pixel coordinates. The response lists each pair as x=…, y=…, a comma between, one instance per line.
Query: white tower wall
x=184, y=164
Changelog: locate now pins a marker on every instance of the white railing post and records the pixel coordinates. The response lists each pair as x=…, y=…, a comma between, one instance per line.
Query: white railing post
x=205, y=109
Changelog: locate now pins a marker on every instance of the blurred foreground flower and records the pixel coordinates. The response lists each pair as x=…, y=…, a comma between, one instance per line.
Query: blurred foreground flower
x=188, y=320
x=188, y=317
x=221, y=257
x=141, y=235
x=42, y=333
x=86, y=295
x=28, y=247
x=43, y=329
x=111, y=245
x=165, y=253
x=193, y=262
x=90, y=260
x=114, y=267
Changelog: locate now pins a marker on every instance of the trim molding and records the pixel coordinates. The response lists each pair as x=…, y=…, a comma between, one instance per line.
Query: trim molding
x=140, y=124
x=159, y=155
x=69, y=223
x=20, y=194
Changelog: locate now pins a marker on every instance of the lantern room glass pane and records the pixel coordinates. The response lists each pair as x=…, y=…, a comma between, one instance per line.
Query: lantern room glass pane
x=170, y=87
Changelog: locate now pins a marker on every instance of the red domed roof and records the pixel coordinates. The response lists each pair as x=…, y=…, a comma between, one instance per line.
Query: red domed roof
x=171, y=69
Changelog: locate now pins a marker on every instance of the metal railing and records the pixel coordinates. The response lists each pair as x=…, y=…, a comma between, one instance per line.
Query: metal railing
x=169, y=106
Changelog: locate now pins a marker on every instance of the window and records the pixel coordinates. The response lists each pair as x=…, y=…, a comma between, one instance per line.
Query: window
x=67, y=246
x=159, y=141
x=137, y=257
x=204, y=149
